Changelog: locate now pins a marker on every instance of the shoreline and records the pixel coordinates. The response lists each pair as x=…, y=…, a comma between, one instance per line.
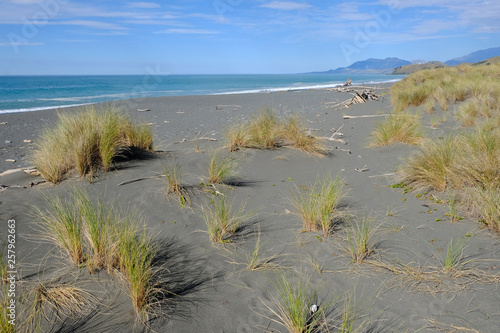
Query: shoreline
x=236, y=92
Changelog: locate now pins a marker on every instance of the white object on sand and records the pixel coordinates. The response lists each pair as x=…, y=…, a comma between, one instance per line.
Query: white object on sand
x=314, y=308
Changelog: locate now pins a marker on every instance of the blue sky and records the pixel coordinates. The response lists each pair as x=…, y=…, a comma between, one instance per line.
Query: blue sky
x=235, y=36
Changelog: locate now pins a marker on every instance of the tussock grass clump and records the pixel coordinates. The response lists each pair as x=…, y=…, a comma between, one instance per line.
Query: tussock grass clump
x=361, y=239
x=221, y=168
x=454, y=257
x=6, y=325
x=484, y=204
x=318, y=204
x=397, y=128
x=268, y=131
x=101, y=237
x=87, y=141
x=54, y=300
x=292, y=300
x=430, y=166
x=222, y=219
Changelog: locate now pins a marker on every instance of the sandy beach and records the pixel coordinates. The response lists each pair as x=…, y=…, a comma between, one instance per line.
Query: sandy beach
x=211, y=289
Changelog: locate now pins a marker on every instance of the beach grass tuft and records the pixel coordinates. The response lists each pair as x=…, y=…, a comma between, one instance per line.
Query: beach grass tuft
x=361, y=237
x=402, y=127
x=221, y=167
x=222, y=219
x=292, y=300
x=87, y=141
x=319, y=203
x=266, y=130
x=102, y=237
x=454, y=258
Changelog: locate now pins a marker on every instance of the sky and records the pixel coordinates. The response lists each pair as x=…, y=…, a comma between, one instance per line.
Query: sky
x=64, y=37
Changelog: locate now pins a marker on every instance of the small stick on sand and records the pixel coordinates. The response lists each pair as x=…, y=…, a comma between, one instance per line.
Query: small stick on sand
x=8, y=172
x=143, y=110
x=361, y=170
x=384, y=175
x=220, y=107
x=366, y=116
x=346, y=150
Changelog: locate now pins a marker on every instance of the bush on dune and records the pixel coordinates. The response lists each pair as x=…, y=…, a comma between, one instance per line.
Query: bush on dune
x=87, y=141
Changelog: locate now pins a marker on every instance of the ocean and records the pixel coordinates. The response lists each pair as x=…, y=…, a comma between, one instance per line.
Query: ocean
x=32, y=93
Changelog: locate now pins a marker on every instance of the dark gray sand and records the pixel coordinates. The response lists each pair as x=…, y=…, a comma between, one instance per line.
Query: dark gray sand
x=214, y=291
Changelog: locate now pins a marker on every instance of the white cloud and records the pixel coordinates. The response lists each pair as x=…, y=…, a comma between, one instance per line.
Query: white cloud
x=286, y=5
x=91, y=24
x=187, y=31
x=20, y=44
x=143, y=5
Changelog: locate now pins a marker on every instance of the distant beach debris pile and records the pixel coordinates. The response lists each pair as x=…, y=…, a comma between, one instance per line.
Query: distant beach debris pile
x=359, y=97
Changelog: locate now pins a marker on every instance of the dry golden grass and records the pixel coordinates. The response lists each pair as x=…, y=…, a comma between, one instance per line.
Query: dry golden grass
x=268, y=131
x=402, y=127
x=87, y=141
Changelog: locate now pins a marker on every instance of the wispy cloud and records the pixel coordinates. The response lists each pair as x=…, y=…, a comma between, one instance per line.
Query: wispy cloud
x=92, y=24
x=187, y=31
x=143, y=5
x=20, y=44
x=286, y=5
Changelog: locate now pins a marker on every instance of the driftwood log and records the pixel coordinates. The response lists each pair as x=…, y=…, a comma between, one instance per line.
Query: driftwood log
x=358, y=97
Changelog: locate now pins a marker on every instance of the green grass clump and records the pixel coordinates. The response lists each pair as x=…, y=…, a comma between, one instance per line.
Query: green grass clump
x=87, y=141
x=430, y=166
x=268, y=131
x=397, y=128
x=292, y=300
x=454, y=258
x=222, y=219
x=361, y=239
x=318, y=204
x=101, y=237
x=221, y=168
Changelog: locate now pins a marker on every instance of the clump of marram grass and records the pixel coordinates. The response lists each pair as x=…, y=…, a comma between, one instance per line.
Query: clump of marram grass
x=101, y=237
x=294, y=305
x=402, y=127
x=361, y=236
x=268, y=131
x=430, y=166
x=454, y=257
x=318, y=204
x=87, y=141
x=222, y=219
x=221, y=167
x=7, y=325
x=54, y=300
x=484, y=204
x=173, y=176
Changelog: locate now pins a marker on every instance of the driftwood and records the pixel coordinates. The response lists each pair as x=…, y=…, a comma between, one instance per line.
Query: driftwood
x=359, y=97
x=202, y=138
x=346, y=150
x=28, y=170
x=143, y=110
x=366, y=116
x=348, y=83
x=220, y=107
x=361, y=170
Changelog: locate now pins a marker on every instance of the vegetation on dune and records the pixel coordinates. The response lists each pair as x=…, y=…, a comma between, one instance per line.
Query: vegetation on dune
x=319, y=204
x=101, y=237
x=467, y=160
x=402, y=127
x=268, y=131
x=87, y=141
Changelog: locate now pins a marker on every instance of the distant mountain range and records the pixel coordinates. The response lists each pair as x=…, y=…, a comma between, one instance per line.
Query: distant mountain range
x=475, y=56
x=400, y=66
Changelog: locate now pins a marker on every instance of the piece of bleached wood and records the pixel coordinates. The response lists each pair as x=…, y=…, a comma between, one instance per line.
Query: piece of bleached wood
x=361, y=170
x=8, y=172
x=143, y=110
x=366, y=116
x=346, y=150
x=384, y=175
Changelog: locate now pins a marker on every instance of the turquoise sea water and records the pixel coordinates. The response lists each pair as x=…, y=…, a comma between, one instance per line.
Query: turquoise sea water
x=31, y=93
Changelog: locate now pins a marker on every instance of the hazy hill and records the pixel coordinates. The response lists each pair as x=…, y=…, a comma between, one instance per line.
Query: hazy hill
x=369, y=66
x=475, y=56
x=408, y=69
